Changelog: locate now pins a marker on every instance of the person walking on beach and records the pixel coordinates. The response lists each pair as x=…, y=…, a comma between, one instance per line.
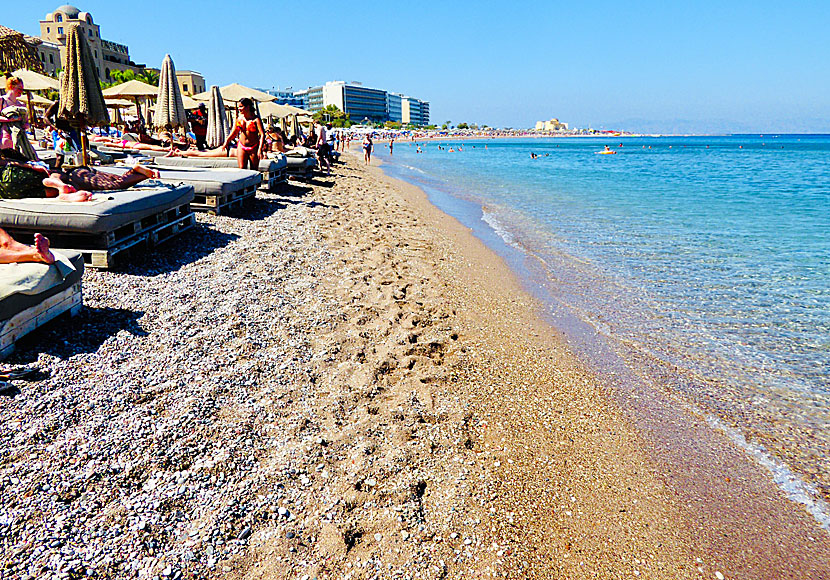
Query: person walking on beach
x=251, y=133
x=391, y=143
x=367, y=149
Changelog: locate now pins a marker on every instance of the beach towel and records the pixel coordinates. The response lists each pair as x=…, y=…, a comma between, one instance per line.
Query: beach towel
x=18, y=133
x=33, y=278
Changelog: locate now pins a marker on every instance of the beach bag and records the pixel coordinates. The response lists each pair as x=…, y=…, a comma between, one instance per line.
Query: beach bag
x=17, y=182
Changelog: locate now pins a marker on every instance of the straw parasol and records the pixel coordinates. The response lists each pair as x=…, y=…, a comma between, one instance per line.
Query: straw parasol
x=36, y=100
x=189, y=103
x=81, y=101
x=233, y=93
x=169, y=107
x=295, y=126
x=135, y=89
x=217, y=129
x=34, y=81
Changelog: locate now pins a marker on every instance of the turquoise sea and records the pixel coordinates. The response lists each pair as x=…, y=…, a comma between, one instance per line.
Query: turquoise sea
x=701, y=265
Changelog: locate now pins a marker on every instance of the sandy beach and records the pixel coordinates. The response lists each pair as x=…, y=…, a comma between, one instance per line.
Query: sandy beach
x=347, y=384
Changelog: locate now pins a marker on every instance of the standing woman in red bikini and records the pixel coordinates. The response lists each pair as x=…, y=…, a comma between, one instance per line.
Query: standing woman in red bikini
x=250, y=132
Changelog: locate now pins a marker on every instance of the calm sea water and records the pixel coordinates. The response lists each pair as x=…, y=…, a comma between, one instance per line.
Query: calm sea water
x=705, y=256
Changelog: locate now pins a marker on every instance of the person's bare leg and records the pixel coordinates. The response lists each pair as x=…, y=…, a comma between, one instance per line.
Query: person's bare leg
x=54, y=182
x=145, y=171
x=12, y=251
x=42, y=247
x=75, y=196
x=241, y=157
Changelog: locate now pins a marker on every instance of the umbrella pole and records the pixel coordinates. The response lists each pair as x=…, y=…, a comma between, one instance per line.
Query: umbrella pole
x=84, y=147
x=31, y=109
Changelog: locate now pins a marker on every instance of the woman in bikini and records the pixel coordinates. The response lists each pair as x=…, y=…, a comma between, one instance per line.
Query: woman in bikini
x=251, y=136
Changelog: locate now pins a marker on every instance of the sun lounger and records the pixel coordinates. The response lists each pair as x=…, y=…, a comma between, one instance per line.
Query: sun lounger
x=109, y=224
x=273, y=170
x=215, y=190
x=33, y=294
x=301, y=162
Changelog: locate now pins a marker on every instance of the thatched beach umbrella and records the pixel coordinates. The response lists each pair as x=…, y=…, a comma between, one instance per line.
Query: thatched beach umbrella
x=81, y=101
x=16, y=53
x=169, y=107
x=217, y=128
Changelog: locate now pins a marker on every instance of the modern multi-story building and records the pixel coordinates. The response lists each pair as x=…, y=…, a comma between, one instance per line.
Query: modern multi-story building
x=285, y=97
x=414, y=111
x=360, y=103
x=108, y=55
x=393, y=107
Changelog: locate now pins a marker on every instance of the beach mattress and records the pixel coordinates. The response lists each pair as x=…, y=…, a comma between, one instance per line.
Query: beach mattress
x=205, y=181
x=107, y=211
x=273, y=170
x=10, y=274
x=32, y=294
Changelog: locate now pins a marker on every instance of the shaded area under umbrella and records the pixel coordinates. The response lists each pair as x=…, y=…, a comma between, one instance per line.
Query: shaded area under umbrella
x=136, y=90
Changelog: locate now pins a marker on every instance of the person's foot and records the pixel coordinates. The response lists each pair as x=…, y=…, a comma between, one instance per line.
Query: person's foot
x=146, y=171
x=42, y=248
x=60, y=186
x=75, y=196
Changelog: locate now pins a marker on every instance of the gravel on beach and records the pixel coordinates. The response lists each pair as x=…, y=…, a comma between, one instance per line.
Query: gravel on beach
x=319, y=388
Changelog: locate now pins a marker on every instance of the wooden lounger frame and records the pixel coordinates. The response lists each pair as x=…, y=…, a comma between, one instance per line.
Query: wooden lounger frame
x=224, y=202
x=100, y=250
x=69, y=300
x=271, y=181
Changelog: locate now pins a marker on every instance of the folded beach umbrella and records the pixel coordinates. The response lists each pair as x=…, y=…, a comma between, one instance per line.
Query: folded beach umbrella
x=217, y=128
x=81, y=101
x=284, y=125
x=169, y=106
x=295, y=126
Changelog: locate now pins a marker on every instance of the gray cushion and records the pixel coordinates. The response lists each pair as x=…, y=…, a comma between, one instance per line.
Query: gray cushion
x=17, y=303
x=204, y=181
x=265, y=165
x=104, y=213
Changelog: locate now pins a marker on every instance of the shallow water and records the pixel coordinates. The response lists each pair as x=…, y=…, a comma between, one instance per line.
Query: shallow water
x=703, y=261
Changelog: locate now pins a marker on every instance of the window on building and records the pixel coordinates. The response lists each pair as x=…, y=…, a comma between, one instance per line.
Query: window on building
x=184, y=86
x=59, y=18
x=48, y=30
x=90, y=33
x=108, y=73
x=51, y=59
x=96, y=54
x=60, y=29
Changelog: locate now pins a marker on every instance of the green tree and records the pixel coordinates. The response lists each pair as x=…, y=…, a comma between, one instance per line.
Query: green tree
x=332, y=114
x=462, y=126
x=393, y=125
x=122, y=76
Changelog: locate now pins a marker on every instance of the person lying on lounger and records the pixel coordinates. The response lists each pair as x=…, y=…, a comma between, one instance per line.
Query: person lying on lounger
x=13, y=252
x=20, y=180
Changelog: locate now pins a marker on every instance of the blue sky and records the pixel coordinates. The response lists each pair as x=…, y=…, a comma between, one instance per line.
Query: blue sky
x=657, y=66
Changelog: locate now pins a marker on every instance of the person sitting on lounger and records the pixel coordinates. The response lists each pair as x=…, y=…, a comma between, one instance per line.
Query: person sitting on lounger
x=276, y=141
x=250, y=133
x=13, y=252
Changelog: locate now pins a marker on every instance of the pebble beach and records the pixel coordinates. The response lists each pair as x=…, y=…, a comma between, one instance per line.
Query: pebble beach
x=342, y=382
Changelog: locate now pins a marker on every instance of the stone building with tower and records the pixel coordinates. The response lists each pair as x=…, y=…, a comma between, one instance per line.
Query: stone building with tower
x=108, y=55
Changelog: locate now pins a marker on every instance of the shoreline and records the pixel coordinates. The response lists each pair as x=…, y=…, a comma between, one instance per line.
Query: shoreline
x=667, y=415
x=347, y=383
